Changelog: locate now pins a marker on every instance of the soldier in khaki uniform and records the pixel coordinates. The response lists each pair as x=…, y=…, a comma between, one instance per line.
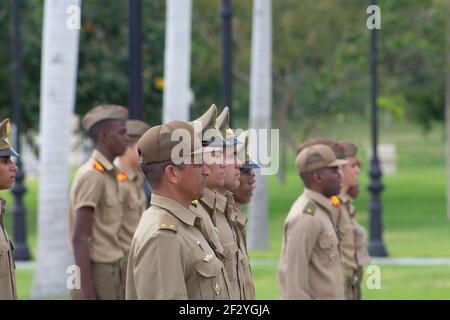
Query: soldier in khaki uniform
x=205, y=207
x=232, y=220
x=96, y=209
x=213, y=203
x=354, y=252
x=170, y=258
x=131, y=183
x=7, y=176
x=341, y=220
x=243, y=195
x=310, y=264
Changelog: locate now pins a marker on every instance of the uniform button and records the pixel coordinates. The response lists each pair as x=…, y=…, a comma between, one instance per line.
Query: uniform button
x=332, y=256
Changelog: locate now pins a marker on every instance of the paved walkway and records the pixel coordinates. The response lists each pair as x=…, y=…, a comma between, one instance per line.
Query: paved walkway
x=406, y=261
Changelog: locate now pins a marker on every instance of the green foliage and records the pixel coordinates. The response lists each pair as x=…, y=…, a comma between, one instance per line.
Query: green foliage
x=320, y=59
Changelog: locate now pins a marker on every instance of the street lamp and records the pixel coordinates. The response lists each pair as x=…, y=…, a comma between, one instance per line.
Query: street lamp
x=376, y=246
x=135, y=28
x=227, y=46
x=21, y=251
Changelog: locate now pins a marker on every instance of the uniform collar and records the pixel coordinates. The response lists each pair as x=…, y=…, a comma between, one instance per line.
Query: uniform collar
x=345, y=198
x=131, y=174
x=209, y=198
x=319, y=199
x=230, y=198
x=2, y=206
x=221, y=202
x=98, y=156
x=238, y=216
x=182, y=213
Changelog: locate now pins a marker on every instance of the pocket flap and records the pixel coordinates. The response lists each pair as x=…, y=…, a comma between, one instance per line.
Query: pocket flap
x=206, y=269
x=229, y=250
x=327, y=240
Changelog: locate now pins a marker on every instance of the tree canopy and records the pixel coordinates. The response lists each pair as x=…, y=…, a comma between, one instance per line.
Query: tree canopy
x=320, y=59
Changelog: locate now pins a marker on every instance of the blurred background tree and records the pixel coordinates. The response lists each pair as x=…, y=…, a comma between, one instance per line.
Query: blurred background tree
x=320, y=60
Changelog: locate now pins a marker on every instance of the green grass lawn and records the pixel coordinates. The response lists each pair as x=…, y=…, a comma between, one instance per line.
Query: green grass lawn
x=414, y=212
x=397, y=282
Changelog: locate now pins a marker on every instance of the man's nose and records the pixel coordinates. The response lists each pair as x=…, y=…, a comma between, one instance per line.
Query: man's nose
x=206, y=171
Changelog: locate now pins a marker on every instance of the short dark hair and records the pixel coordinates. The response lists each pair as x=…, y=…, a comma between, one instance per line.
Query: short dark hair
x=307, y=178
x=154, y=172
x=98, y=128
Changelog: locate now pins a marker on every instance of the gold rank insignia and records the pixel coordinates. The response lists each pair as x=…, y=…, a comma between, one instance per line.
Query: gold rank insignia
x=194, y=203
x=97, y=166
x=208, y=257
x=121, y=176
x=310, y=208
x=167, y=226
x=8, y=130
x=217, y=288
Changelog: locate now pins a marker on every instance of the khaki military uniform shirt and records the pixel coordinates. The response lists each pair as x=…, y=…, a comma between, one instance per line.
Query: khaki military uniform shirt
x=7, y=265
x=171, y=259
x=361, y=254
x=310, y=264
x=96, y=185
x=134, y=203
x=205, y=208
x=347, y=237
x=231, y=253
x=238, y=221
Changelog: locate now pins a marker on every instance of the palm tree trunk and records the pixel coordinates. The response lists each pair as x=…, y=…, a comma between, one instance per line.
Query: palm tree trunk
x=260, y=114
x=177, y=61
x=58, y=87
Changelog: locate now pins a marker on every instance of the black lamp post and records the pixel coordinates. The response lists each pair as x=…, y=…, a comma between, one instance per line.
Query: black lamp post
x=21, y=251
x=227, y=45
x=135, y=28
x=376, y=246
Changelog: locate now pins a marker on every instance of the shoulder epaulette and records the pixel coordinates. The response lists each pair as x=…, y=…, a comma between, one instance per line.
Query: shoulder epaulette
x=97, y=166
x=121, y=176
x=310, y=208
x=167, y=226
x=168, y=223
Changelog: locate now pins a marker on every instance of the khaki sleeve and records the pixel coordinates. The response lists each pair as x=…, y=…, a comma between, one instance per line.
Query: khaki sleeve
x=158, y=272
x=89, y=190
x=303, y=235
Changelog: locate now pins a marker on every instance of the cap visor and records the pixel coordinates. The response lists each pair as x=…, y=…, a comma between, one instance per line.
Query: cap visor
x=251, y=165
x=217, y=142
x=337, y=163
x=234, y=141
x=10, y=152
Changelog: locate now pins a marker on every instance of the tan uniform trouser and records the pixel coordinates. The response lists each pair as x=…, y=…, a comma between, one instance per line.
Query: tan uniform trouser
x=109, y=281
x=353, y=285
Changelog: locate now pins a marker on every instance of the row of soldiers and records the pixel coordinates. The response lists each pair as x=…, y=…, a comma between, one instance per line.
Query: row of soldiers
x=323, y=250
x=190, y=243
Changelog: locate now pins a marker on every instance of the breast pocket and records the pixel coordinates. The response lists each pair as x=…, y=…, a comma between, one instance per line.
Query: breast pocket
x=111, y=207
x=229, y=259
x=210, y=279
x=328, y=244
x=5, y=249
x=247, y=278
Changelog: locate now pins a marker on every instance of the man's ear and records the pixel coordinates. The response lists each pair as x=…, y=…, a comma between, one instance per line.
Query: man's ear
x=318, y=177
x=171, y=173
x=103, y=136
